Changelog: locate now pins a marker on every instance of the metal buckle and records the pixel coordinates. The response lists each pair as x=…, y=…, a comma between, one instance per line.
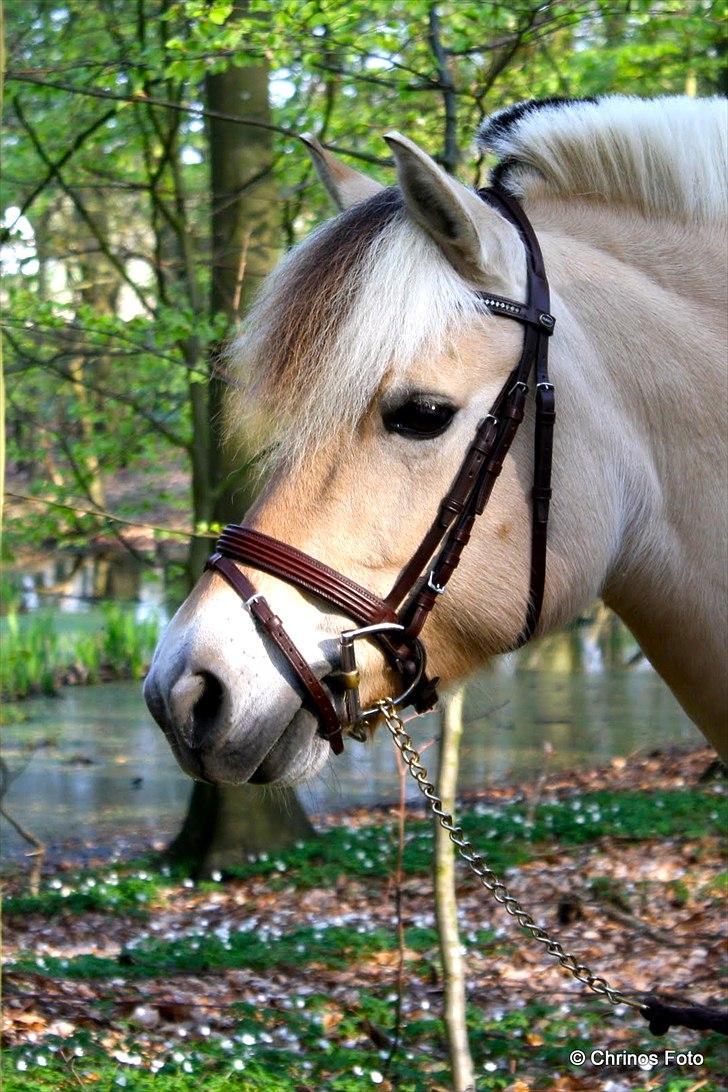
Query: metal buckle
x=356, y=716
x=252, y=599
x=521, y=384
x=438, y=589
x=545, y=387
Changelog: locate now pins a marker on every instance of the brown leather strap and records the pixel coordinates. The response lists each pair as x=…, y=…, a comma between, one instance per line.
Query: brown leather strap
x=271, y=623
x=454, y=501
x=289, y=564
x=541, y=501
x=535, y=355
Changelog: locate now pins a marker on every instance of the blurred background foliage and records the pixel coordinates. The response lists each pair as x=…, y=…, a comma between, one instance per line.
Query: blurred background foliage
x=114, y=223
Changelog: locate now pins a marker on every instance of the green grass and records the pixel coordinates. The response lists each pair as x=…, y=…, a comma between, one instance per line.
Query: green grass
x=334, y=946
x=123, y=891
x=40, y=649
x=504, y=836
x=288, y=1049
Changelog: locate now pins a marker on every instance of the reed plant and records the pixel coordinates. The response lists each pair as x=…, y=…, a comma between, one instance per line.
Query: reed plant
x=38, y=657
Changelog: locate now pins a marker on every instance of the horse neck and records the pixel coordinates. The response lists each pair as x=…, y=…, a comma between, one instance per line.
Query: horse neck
x=644, y=359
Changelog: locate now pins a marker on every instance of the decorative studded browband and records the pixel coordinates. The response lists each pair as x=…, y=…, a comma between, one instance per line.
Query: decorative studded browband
x=396, y=621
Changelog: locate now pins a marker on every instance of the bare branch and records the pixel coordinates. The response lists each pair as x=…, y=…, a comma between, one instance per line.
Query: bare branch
x=75, y=146
x=80, y=207
x=189, y=108
x=451, y=151
x=104, y=392
x=100, y=514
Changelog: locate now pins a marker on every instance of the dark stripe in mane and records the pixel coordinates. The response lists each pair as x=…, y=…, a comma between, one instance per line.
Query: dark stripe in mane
x=314, y=293
x=499, y=125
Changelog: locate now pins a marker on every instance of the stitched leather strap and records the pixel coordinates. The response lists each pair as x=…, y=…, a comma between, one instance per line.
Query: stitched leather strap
x=292, y=565
x=271, y=623
x=540, y=501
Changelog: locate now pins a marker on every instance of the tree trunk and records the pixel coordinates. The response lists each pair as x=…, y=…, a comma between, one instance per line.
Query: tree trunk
x=446, y=907
x=226, y=823
x=245, y=246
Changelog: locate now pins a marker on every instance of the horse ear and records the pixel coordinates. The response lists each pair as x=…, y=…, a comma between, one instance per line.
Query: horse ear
x=345, y=186
x=478, y=243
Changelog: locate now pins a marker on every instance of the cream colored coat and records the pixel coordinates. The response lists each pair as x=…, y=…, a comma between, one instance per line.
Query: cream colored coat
x=640, y=494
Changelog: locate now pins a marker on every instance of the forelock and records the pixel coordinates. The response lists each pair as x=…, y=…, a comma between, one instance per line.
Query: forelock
x=357, y=299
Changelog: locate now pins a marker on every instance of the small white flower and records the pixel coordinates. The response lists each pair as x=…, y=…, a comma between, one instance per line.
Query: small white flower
x=125, y=1058
x=21, y=1064
x=41, y=1060
x=238, y=1064
x=490, y=1067
x=247, y=1039
x=216, y=876
x=376, y=1076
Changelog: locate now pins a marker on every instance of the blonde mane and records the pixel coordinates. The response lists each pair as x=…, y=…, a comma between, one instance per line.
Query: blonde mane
x=369, y=290
x=666, y=157
x=357, y=299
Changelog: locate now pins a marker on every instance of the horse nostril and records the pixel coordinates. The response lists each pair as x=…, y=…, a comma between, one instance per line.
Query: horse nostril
x=206, y=710
x=196, y=703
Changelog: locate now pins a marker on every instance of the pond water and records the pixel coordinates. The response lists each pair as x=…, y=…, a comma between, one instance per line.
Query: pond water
x=96, y=767
x=93, y=768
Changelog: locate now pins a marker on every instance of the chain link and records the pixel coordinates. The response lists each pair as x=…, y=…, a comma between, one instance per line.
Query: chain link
x=487, y=877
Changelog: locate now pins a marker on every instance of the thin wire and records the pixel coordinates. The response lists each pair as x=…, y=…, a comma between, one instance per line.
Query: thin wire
x=100, y=514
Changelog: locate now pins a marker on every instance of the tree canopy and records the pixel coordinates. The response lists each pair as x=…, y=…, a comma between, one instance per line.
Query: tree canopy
x=110, y=320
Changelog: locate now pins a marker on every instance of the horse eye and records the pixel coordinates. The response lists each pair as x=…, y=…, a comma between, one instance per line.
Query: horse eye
x=421, y=417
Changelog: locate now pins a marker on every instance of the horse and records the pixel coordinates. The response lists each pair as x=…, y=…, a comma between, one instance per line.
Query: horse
x=368, y=361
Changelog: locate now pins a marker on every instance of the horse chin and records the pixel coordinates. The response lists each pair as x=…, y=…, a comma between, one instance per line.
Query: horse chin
x=298, y=753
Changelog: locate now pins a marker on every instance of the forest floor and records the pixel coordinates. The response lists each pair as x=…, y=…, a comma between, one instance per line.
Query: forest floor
x=288, y=974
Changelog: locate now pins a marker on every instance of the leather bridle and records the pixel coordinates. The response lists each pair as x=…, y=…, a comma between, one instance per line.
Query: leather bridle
x=396, y=621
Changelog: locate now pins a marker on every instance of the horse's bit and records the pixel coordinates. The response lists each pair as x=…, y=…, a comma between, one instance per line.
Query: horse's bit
x=396, y=621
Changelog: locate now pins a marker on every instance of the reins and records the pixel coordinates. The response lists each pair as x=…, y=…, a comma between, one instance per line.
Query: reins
x=396, y=621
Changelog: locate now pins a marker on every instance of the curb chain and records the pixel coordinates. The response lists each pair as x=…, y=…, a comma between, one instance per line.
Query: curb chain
x=476, y=863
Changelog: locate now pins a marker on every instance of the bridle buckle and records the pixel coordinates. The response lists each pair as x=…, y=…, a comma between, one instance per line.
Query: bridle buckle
x=438, y=589
x=348, y=674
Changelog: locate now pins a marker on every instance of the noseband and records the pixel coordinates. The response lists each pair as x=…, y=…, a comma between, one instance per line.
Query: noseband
x=396, y=621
